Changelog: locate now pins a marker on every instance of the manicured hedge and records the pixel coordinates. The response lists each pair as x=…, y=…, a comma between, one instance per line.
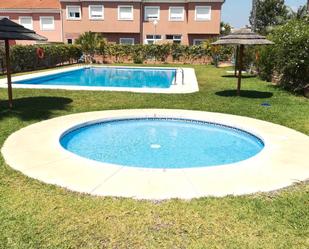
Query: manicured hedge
x=24, y=57
x=96, y=49
x=161, y=53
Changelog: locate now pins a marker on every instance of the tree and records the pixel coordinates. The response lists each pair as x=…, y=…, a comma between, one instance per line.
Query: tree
x=267, y=14
x=90, y=42
x=288, y=57
x=225, y=28
x=300, y=13
x=253, y=15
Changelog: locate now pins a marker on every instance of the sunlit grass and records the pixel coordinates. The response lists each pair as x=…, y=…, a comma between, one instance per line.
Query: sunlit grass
x=37, y=215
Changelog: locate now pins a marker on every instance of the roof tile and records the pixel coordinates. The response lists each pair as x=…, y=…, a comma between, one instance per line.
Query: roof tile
x=29, y=4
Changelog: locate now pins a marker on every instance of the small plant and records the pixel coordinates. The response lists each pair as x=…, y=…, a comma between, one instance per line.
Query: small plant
x=217, y=53
x=137, y=59
x=177, y=51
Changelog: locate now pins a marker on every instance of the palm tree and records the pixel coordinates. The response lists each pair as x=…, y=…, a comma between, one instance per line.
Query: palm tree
x=90, y=43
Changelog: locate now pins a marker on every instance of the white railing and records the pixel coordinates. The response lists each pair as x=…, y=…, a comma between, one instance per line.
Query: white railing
x=182, y=76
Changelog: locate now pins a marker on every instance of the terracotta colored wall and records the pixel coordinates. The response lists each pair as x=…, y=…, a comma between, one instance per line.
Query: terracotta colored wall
x=164, y=26
x=186, y=27
x=52, y=35
x=72, y=28
x=115, y=37
x=192, y=37
x=204, y=27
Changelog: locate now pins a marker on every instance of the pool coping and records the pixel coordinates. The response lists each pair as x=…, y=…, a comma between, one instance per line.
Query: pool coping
x=188, y=84
x=36, y=152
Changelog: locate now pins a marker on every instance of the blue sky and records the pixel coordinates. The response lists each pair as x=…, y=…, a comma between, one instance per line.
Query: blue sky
x=236, y=12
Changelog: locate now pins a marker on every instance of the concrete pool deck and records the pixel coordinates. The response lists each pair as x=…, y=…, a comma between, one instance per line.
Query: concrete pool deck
x=185, y=81
x=36, y=152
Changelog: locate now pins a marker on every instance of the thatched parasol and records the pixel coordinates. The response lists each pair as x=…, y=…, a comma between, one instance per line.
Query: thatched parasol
x=12, y=31
x=241, y=38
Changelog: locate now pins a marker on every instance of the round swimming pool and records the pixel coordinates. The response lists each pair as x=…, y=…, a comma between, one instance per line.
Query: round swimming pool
x=161, y=143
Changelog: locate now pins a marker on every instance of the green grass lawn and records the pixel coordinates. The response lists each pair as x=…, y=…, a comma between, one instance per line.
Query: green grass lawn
x=37, y=215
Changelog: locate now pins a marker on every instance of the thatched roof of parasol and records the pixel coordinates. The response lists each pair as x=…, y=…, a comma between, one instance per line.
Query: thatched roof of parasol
x=12, y=31
x=243, y=37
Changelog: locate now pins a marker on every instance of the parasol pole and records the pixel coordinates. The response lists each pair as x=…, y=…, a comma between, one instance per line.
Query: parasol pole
x=241, y=55
x=236, y=60
x=8, y=72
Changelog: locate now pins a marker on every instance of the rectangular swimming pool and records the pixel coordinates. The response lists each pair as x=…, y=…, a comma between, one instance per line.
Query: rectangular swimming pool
x=108, y=77
x=168, y=80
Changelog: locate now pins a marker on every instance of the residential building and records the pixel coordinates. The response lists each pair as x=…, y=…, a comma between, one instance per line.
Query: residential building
x=143, y=21
x=43, y=16
x=114, y=19
x=186, y=22
x=125, y=21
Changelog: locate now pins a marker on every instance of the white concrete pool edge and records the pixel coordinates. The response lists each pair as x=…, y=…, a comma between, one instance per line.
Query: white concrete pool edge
x=188, y=84
x=36, y=152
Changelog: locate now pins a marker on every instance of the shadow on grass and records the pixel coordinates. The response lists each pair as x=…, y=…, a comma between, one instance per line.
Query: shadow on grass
x=243, y=76
x=245, y=93
x=33, y=108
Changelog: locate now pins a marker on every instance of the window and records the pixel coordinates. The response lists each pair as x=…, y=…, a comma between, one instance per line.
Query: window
x=47, y=23
x=202, y=13
x=197, y=42
x=174, y=38
x=176, y=13
x=152, y=13
x=96, y=12
x=26, y=21
x=70, y=41
x=126, y=41
x=73, y=12
x=151, y=39
x=125, y=12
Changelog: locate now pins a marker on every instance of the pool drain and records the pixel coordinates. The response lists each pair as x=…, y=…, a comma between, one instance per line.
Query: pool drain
x=155, y=146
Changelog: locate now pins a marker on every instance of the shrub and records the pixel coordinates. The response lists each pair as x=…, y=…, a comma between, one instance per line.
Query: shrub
x=150, y=51
x=24, y=58
x=91, y=43
x=137, y=59
x=159, y=52
x=163, y=51
x=177, y=51
x=196, y=53
x=138, y=54
x=218, y=53
x=250, y=55
x=288, y=58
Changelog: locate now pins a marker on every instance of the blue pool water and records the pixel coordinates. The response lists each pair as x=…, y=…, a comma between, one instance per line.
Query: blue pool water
x=109, y=77
x=161, y=143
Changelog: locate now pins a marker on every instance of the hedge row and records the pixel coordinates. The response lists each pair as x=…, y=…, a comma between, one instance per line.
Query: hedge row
x=25, y=58
x=161, y=53
x=94, y=44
